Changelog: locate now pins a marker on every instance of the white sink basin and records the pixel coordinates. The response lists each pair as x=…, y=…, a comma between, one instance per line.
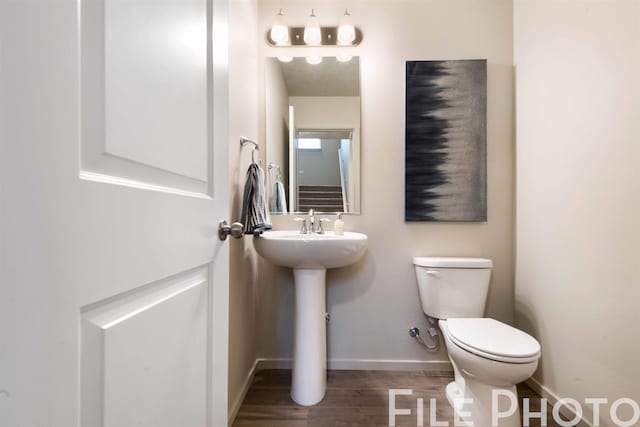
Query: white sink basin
x=310, y=255
x=289, y=248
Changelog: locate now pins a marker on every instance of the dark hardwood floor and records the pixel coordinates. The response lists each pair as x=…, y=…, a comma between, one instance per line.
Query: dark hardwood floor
x=353, y=399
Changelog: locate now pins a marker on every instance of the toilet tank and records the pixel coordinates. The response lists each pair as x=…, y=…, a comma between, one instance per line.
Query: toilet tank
x=453, y=287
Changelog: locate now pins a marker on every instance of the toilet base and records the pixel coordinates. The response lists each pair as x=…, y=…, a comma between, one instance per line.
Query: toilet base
x=455, y=397
x=478, y=411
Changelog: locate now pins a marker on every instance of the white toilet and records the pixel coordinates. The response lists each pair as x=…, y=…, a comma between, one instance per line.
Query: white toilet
x=486, y=354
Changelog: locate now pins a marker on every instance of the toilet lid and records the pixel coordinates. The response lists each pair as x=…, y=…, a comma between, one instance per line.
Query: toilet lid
x=492, y=338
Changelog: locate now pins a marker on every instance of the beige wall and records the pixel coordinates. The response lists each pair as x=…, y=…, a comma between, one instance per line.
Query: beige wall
x=374, y=303
x=243, y=121
x=326, y=112
x=578, y=203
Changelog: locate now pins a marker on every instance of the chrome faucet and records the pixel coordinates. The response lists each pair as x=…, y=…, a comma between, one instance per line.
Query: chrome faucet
x=303, y=228
x=315, y=227
x=312, y=221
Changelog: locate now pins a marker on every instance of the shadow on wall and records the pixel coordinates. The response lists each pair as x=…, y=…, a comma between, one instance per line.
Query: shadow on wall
x=526, y=320
x=276, y=288
x=273, y=327
x=341, y=286
x=237, y=179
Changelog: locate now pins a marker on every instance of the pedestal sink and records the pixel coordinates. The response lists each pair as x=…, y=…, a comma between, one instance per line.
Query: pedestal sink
x=310, y=255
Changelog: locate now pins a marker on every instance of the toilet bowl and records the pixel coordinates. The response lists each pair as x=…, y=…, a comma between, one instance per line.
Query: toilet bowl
x=488, y=357
x=483, y=367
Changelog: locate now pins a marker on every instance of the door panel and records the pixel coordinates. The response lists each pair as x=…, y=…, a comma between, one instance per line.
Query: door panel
x=147, y=76
x=156, y=78
x=114, y=285
x=129, y=365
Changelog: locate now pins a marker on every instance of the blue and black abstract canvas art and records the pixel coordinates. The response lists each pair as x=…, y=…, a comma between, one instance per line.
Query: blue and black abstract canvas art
x=446, y=141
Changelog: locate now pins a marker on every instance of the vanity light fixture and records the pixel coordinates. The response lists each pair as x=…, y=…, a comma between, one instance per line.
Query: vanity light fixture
x=312, y=33
x=344, y=58
x=314, y=59
x=279, y=30
x=346, y=30
x=285, y=58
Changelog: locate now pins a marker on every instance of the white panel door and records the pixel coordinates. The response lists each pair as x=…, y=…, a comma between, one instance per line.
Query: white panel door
x=114, y=285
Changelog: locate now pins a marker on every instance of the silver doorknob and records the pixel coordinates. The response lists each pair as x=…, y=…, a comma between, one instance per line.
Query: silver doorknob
x=224, y=229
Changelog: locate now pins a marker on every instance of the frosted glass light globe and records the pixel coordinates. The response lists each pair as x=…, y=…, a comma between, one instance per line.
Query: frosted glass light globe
x=279, y=30
x=312, y=33
x=346, y=30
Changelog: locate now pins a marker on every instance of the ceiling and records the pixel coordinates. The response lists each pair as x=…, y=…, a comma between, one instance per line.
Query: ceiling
x=329, y=78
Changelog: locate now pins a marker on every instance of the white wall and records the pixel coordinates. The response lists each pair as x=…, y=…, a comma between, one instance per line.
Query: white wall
x=374, y=303
x=578, y=192
x=326, y=112
x=243, y=121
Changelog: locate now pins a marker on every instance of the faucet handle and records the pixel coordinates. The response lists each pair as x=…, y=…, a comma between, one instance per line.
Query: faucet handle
x=320, y=229
x=303, y=229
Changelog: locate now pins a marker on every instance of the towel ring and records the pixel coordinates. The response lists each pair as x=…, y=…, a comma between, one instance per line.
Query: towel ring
x=277, y=168
x=244, y=141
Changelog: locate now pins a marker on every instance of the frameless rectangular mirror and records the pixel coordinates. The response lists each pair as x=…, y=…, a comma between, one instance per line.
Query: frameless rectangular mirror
x=313, y=135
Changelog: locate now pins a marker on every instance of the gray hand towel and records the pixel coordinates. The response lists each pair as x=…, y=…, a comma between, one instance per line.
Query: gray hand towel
x=255, y=213
x=279, y=201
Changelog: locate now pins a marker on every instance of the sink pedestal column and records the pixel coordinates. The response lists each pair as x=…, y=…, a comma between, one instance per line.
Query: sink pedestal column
x=309, y=376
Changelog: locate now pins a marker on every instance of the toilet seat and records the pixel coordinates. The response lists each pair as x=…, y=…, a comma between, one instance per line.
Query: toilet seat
x=493, y=340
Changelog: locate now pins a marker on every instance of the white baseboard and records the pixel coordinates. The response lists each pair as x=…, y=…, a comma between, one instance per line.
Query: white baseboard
x=366, y=365
x=267, y=363
x=553, y=398
x=237, y=403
